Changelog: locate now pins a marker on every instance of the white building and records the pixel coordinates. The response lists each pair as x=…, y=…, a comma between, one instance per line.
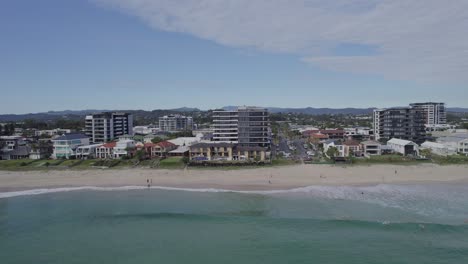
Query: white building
x=332, y=143
x=105, y=151
x=52, y=132
x=186, y=141
x=371, y=148
x=145, y=130
x=65, y=146
x=439, y=149
x=404, y=147
x=104, y=127
x=434, y=112
x=123, y=147
x=456, y=141
x=87, y=151
x=174, y=123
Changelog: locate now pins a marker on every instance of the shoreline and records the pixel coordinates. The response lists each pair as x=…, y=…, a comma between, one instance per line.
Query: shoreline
x=257, y=179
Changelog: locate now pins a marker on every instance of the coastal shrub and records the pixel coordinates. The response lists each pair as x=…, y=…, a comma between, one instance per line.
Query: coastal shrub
x=76, y=163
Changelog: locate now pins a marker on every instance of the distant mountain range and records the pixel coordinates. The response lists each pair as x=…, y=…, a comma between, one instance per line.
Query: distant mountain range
x=314, y=111
x=79, y=114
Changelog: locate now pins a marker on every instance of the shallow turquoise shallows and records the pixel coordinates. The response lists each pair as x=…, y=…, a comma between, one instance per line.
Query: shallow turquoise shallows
x=378, y=224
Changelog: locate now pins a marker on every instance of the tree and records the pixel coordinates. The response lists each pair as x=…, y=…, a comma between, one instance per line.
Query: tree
x=465, y=125
x=156, y=140
x=427, y=153
x=140, y=155
x=332, y=152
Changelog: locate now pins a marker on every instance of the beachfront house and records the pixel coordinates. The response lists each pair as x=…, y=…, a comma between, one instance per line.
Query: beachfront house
x=227, y=152
x=439, y=149
x=246, y=153
x=124, y=148
x=455, y=141
x=87, y=151
x=162, y=149
x=404, y=147
x=371, y=148
x=336, y=144
x=352, y=148
x=41, y=149
x=65, y=146
x=105, y=151
x=211, y=151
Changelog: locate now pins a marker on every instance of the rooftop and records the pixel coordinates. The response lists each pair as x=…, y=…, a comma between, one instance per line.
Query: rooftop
x=71, y=136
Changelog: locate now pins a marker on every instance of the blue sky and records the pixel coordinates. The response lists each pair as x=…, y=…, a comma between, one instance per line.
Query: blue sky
x=136, y=54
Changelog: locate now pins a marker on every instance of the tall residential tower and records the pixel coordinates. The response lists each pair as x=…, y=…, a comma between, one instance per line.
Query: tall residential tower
x=246, y=126
x=399, y=122
x=434, y=113
x=104, y=127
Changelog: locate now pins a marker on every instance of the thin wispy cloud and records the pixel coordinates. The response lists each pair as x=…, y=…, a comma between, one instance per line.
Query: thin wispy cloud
x=423, y=40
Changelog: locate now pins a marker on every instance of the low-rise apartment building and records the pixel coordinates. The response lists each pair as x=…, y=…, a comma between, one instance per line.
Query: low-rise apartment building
x=226, y=152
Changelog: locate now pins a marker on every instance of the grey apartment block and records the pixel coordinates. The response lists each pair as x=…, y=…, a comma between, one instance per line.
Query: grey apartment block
x=247, y=126
x=400, y=122
x=103, y=127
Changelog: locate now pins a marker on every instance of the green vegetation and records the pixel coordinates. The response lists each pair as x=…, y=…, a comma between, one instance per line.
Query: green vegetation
x=283, y=162
x=172, y=163
x=332, y=152
x=388, y=159
x=453, y=159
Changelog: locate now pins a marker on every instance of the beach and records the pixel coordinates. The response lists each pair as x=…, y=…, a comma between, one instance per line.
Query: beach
x=267, y=178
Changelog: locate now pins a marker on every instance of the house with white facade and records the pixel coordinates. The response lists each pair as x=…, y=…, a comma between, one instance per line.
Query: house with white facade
x=124, y=148
x=439, y=148
x=105, y=151
x=458, y=141
x=371, y=148
x=404, y=147
x=65, y=146
x=87, y=151
x=334, y=143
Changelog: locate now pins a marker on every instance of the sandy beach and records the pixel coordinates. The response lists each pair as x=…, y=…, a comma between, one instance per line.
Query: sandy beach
x=242, y=179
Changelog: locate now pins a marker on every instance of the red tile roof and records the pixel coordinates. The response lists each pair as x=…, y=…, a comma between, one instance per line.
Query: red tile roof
x=109, y=145
x=165, y=144
x=149, y=145
x=319, y=136
x=351, y=143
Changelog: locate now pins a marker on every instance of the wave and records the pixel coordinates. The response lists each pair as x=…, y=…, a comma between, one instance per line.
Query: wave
x=132, y=187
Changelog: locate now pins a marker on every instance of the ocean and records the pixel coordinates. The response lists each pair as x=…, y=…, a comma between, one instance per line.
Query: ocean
x=425, y=223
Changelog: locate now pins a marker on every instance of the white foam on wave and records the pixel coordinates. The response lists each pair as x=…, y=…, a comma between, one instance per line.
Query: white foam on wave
x=126, y=188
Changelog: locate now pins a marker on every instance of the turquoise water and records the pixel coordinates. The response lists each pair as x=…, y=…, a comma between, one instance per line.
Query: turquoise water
x=380, y=224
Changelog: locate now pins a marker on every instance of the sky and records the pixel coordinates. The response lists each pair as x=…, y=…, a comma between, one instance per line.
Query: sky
x=162, y=54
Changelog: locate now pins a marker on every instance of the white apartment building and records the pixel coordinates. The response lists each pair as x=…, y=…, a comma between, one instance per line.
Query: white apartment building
x=104, y=127
x=172, y=123
x=435, y=113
